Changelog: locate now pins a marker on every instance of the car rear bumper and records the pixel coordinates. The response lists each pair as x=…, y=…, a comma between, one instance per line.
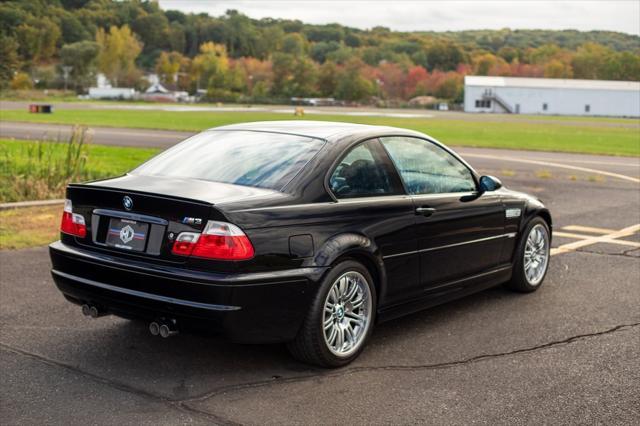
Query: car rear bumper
x=256, y=307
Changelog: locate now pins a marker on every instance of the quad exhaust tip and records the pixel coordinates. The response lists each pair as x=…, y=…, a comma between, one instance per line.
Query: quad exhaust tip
x=92, y=311
x=163, y=328
x=154, y=328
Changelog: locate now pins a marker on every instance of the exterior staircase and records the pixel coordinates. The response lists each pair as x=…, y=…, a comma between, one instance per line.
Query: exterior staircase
x=489, y=95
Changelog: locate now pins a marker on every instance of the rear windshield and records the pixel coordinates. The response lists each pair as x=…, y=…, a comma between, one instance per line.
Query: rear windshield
x=259, y=159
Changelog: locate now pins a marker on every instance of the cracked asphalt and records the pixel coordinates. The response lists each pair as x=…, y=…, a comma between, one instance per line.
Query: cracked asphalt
x=567, y=354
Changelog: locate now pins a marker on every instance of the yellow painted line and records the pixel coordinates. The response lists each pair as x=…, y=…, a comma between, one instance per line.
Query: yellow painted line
x=566, y=248
x=562, y=166
x=588, y=237
x=588, y=229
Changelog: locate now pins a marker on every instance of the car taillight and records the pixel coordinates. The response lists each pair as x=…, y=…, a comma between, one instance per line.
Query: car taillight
x=72, y=223
x=218, y=240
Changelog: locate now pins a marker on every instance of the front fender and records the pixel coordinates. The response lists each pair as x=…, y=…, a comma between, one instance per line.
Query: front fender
x=535, y=208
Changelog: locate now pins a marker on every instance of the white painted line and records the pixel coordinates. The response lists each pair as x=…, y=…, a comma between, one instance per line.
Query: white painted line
x=562, y=166
x=591, y=229
x=566, y=248
x=588, y=237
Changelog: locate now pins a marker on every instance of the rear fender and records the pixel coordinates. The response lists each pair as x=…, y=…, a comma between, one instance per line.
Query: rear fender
x=359, y=248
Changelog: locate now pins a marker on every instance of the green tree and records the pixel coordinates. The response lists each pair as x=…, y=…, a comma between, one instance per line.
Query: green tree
x=557, y=69
x=624, y=66
x=294, y=44
x=590, y=60
x=153, y=30
x=327, y=79
x=210, y=67
x=168, y=66
x=283, y=65
x=10, y=62
x=21, y=81
x=352, y=86
x=81, y=57
x=118, y=50
x=444, y=56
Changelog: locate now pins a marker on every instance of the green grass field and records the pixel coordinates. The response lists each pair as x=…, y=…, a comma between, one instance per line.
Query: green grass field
x=593, y=136
x=36, y=170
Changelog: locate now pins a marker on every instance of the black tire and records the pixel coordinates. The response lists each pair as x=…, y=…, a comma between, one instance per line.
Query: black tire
x=519, y=281
x=310, y=346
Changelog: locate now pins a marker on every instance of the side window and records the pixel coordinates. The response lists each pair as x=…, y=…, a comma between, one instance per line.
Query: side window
x=426, y=168
x=364, y=172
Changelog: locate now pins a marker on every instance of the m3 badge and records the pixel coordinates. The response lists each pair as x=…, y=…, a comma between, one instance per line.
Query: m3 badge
x=512, y=213
x=192, y=221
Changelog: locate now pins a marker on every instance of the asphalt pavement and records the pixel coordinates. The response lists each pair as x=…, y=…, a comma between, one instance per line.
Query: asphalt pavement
x=142, y=138
x=567, y=354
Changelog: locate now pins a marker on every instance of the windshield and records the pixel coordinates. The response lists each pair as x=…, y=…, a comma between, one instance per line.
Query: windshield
x=258, y=159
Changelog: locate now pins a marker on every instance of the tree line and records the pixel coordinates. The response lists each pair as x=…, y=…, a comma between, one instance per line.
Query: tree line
x=233, y=57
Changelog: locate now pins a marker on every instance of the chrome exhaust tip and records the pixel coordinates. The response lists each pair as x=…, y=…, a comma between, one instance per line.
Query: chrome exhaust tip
x=166, y=331
x=154, y=328
x=94, y=312
x=86, y=310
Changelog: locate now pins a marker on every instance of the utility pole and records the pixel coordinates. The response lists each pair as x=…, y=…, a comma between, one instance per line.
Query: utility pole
x=65, y=72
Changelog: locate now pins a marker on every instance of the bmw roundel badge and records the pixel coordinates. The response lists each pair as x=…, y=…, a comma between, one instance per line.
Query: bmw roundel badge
x=127, y=202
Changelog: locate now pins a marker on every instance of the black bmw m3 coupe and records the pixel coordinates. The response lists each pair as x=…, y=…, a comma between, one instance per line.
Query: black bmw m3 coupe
x=301, y=232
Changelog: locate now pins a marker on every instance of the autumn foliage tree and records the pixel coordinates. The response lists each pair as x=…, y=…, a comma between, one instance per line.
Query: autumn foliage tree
x=118, y=50
x=235, y=57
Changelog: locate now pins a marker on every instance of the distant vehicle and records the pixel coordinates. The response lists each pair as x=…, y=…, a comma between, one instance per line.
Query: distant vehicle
x=314, y=101
x=295, y=231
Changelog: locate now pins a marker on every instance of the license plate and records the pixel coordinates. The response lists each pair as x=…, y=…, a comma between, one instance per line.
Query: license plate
x=127, y=234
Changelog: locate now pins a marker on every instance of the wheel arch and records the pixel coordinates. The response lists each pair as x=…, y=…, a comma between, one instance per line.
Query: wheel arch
x=357, y=247
x=536, y=210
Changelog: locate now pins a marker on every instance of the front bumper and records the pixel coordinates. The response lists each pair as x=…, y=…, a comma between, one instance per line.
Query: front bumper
x=259, y=307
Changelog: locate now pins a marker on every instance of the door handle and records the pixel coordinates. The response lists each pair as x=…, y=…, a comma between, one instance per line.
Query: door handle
x=425, y=211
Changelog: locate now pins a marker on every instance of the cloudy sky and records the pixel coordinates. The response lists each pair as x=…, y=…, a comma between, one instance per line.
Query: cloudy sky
x=437, y=15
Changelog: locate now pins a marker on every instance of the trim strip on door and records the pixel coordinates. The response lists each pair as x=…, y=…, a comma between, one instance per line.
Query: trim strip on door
x=479, y=240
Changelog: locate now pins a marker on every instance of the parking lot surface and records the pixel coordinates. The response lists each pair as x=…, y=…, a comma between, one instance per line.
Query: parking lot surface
x=565, y=354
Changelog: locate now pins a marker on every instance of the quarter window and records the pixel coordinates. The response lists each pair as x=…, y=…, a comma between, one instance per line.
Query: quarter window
x=364, y=172
x=426, y=168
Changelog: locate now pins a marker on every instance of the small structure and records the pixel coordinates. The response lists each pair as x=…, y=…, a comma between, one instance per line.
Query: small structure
x=158, y=93
x=111, y=93
x=104, y=90
x=515, y=95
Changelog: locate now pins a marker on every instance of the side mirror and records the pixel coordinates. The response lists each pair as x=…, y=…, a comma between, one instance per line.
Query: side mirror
x=489, y=183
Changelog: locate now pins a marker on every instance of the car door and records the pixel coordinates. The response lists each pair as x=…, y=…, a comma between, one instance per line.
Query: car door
x=460, y=230
x=369, y=190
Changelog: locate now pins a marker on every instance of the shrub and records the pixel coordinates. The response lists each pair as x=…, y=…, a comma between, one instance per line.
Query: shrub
x=45, y=170
x=21, y=81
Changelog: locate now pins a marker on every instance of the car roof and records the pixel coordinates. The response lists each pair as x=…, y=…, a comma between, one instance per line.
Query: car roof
x=327, y=130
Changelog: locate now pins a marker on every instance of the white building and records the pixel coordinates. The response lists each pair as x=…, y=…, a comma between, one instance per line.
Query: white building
x=551, y=96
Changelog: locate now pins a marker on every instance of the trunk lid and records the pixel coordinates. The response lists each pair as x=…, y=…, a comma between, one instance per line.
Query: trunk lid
x=154, y=210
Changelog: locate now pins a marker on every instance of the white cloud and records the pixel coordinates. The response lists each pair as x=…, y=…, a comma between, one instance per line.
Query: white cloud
x=453, y=15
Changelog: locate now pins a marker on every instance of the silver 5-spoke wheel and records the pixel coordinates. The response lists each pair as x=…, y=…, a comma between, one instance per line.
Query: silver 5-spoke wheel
x=536, y=254
x=347, y=314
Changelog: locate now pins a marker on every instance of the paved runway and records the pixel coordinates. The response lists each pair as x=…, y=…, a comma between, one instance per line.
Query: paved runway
x=496, y=158
x=566, y=354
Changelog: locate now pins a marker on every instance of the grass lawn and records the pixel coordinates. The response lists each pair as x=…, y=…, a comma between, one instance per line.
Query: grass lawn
x=29, y=227
x=593, y=136
x=32, y=170
x=25, y=173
